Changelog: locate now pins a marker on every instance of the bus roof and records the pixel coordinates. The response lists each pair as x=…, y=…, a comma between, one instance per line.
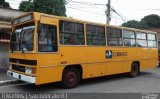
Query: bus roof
x=86, y=22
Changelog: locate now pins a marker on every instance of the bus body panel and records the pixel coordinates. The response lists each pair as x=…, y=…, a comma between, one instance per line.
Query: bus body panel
x=49, y=74
x=93, y=66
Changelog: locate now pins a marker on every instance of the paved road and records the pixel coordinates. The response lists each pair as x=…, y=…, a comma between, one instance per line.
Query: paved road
x=148, y=81
x=4, y=77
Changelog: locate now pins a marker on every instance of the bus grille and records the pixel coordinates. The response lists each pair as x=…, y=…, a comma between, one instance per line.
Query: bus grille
x=18, y=68
x=23, y=61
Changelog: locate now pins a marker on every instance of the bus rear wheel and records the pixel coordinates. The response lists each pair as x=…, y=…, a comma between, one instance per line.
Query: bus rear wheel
x=134, y=70
x=70, y=78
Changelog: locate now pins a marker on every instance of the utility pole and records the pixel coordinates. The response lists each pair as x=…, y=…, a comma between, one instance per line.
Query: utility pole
x=108, y=12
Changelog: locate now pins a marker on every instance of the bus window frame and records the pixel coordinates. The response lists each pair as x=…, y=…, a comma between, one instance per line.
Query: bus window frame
x=37, y=40
x=121, y=35
x=72, y=21
x=129, y=38
x=136, y=32
x=156, y=39
x=34, y=36
x=104, y=27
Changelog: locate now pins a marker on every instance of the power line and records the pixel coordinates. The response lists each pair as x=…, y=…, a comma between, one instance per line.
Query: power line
x=119, y=14
x=84, y=6
x=72, y=8
x=117, y=18
x=85, y=10
x=85, y=3
x=122, y=17
x=69, y=7
x=150, y=9
x=139, y=9
x=91, y=6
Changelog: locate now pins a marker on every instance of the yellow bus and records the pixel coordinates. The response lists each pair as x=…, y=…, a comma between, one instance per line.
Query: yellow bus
x=46, y=48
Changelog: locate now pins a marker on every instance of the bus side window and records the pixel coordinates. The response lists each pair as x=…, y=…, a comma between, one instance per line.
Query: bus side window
x=95, y=35
x=114, y=36
x=151, y=40
x=47, y=38
x=141, y=39
x=129, y=38
x=71, y=33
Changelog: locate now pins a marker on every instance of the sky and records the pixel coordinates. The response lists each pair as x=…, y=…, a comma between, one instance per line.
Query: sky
x=94, y=10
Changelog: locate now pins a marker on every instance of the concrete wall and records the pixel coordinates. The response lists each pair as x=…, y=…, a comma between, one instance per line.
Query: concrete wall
x=4, y=47
x=9, y=13
x=4, y=61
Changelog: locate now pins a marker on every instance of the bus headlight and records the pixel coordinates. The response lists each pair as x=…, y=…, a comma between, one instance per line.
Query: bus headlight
x=28, y=70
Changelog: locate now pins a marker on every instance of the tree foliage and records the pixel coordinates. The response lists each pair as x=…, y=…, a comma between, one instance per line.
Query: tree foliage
x=150, y=21
x=4, y=4
x=55, y=7
x=134, y=24
x=26, y=6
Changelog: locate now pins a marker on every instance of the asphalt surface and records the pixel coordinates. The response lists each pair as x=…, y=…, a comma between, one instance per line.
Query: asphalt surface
x=4, y=77
x=148, y=81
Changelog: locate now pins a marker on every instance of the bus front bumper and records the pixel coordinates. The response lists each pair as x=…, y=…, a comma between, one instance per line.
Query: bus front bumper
x=22, y=77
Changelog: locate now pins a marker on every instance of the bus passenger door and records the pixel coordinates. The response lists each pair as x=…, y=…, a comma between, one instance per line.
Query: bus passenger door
x=48, y=57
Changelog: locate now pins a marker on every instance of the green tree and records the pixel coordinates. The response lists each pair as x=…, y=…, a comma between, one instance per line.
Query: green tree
x=134, y=24
x=55, y=7
x=26, y=6
x=152, y=21
x=4, y=4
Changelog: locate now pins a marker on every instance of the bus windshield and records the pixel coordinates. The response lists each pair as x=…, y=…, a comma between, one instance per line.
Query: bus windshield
x=22, y=38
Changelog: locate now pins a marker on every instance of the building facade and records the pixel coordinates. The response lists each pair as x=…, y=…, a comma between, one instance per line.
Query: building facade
x=5, y=31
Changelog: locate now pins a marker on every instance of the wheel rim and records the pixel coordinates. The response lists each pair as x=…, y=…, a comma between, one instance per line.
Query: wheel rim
x=71, y=78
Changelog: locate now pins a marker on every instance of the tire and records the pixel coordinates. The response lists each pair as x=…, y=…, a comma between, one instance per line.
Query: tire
x=70, y=78
x=134, y=70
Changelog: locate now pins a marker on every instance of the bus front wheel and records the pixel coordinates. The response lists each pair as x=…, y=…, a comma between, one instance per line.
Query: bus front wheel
x=134, y=70
x=70, y=78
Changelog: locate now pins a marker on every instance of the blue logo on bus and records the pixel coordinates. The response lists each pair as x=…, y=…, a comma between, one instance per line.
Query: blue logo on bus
x=108, y=54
